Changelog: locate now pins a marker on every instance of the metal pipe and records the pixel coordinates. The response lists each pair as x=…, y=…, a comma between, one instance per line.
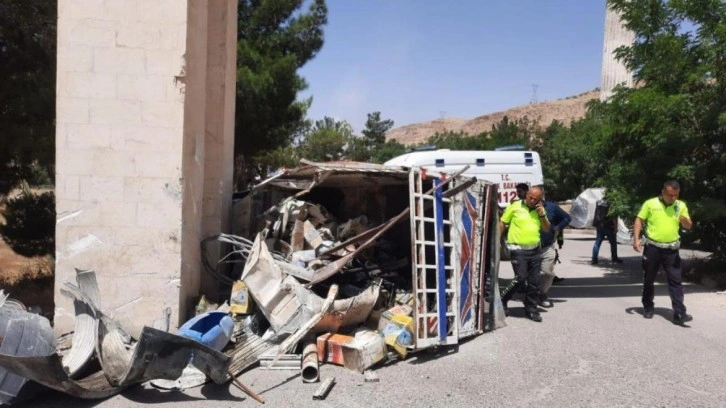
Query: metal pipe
x=309, y=371
x=324, y=388
x=285, y=362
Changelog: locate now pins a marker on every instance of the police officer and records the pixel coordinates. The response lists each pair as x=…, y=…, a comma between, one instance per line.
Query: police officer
x=663, y=216
x=525, y=219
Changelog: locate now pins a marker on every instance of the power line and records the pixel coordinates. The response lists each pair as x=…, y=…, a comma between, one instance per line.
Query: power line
x=534, y=93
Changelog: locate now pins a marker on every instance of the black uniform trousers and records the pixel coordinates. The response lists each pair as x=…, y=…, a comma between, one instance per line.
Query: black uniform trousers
x=527, y=265
x=653, y=258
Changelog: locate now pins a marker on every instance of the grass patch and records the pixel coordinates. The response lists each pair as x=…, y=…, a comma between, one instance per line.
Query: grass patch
x=27, y=270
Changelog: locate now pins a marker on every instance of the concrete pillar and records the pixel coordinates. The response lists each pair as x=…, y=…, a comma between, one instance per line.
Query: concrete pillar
x=134, y=180
x=219, y=141
x=613, y=71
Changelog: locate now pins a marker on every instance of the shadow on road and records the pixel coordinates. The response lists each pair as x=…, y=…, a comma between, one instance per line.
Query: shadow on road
x=51, y=398
x=210, y=391
x=618, y=284
x=426, y=355
x=663, y=312
x=135, y=393
x=285, y=381
x=617, y=280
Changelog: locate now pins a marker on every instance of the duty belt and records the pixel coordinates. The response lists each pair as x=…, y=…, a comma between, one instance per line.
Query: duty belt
x=515, y=247
x=663, y=245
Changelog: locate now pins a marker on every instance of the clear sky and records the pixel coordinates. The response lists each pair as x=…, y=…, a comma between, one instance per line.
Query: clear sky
x=419, y=60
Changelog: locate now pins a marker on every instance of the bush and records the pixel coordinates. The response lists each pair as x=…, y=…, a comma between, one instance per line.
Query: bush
x=37, y=175
x=29, y=226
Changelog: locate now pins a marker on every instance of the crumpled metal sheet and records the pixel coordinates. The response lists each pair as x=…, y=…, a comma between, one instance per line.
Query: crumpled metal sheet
x=162, y=355
x=287, y=304
x=309, y=168
x=49, y=371
x=191, y=377
x=281, y=298
x=157, y=355
x=247, y=351
x=86, y=328
x=113, y=355
x=22, y=334
x=351, y=311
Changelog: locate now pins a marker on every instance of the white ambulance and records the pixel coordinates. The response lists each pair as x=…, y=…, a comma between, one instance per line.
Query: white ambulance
x=504, y=168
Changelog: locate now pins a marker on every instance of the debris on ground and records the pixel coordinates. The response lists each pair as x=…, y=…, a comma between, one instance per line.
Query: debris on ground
x=342, y=263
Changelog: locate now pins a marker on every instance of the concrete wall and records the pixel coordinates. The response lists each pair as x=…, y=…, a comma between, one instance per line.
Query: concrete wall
x=614, y=72
x=139, y=142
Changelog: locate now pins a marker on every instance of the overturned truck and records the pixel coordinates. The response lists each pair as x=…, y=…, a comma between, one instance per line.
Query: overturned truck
x=415, y=241
x=349, y=263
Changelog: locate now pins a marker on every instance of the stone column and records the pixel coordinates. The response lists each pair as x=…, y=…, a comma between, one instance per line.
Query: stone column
x=132, y=133
x=219, y=141
x=613, y=71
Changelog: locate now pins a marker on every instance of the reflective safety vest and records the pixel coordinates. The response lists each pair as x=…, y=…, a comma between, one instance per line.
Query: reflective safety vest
x=662, y=221
x=524, y=224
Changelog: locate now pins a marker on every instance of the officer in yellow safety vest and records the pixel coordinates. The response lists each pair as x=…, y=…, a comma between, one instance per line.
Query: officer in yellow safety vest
x=663, y=216
x=525, y=219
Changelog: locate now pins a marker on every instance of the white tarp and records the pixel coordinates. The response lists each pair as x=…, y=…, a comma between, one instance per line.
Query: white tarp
x=583, y=213
x=583, y=208
x=625, y=236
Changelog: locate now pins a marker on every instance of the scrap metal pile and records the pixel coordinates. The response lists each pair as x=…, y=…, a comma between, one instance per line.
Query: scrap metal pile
x=367, y=263
x=349, y=264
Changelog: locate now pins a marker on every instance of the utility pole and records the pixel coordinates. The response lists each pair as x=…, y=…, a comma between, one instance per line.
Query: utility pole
x=534, y=93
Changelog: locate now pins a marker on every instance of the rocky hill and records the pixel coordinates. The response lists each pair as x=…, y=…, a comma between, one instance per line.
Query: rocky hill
x=564, y=110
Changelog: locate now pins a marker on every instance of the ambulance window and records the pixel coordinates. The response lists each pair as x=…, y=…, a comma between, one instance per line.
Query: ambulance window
x=528, y=160
x=480, y=162
x=439, y=162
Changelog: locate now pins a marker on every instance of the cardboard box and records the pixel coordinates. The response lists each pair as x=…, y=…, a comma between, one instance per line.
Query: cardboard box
x=387, y=315
x=398, y=334
x=366, y=349
x=357, y=353
x=330, y=347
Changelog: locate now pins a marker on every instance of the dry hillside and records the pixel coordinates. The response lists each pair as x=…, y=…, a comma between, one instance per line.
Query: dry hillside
x=564, y=110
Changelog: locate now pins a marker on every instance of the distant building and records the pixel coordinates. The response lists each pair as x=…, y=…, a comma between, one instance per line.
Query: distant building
x=614, y=72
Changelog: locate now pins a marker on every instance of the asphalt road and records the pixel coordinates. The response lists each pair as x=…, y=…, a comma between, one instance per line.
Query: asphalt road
x=593, y=349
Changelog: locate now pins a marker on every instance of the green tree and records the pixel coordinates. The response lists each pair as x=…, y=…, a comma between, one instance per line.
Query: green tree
x=326, y=140
x=459, y=141
x=281, y=157
x=358, y=149
x=364, y=148
x=387, y=151
x=673, y=126
x=571, y=157
x=29, y=226
x=521, y=131
x=376, y=128
x=275, y=39
x=27, y=96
